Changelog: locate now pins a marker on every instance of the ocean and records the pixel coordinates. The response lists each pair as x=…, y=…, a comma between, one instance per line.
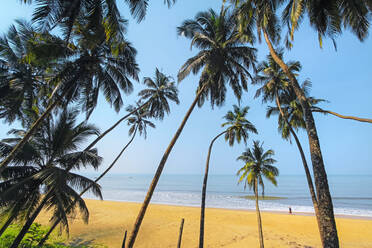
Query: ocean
x=352, y=195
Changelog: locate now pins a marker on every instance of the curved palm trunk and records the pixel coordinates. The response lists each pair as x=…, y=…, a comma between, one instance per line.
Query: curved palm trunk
x=146, y=202
x=29, y=222
x=204, y=192
x=86, y=189
x=260, y=234
x=27, y=136
x=114, y=126
x=328, y=228
x=343, y=116
x=7, y=223
x=304, y=162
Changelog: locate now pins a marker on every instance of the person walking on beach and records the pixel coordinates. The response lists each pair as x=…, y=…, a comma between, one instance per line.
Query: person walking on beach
x=290, y=210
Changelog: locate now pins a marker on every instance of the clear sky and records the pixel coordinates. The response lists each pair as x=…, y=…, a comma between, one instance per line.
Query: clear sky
x=342, y=77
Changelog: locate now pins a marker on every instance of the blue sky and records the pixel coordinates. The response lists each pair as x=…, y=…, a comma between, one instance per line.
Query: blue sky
x=342, y=77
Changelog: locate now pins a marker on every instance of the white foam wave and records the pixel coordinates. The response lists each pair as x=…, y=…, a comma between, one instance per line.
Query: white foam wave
x=226, y=201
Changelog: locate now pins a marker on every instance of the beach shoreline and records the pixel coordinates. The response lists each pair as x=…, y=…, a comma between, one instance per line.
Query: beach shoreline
x=344, y=216
x=224, y=227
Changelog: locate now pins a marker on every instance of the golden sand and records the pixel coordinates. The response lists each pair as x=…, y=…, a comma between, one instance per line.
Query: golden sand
x=223, y=228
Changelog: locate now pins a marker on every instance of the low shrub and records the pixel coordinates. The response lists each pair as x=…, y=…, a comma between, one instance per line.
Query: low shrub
x=33, y=237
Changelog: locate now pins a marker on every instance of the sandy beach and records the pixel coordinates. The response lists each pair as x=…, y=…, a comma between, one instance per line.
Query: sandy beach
x=224, y=228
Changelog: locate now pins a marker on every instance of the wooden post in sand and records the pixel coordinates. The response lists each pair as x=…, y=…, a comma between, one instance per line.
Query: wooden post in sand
x=180, y=236
x=125, y=239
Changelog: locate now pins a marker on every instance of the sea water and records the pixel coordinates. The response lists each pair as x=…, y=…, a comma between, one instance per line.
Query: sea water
x=352, y=195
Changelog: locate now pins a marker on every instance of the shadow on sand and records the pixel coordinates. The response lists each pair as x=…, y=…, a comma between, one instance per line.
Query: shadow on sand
x=81, y=243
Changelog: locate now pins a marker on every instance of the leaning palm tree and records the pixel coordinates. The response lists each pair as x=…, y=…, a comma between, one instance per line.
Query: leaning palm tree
x=138, y=123
x=90, y=64
x=155, y=98
x=237, y=128
x=223, y=60
x=56, y=145
x=258, y=165
x=263, y=15
x=276, y=88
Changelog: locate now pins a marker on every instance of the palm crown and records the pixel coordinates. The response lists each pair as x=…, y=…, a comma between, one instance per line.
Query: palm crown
x=292, y=109
x=258, y=164
x=326, y=17
x=43, y=165
x=22, y=84
x=223, y=57
x=272, y=78
x=237, y=125
x=159, y=90
x=50, y=13
x=98, y=63
x=138, y=121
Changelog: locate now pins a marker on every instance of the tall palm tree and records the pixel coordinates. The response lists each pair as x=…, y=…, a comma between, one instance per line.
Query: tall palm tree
x=237, y=128
x=258, y=165
x=56, y=145
x=276, y=88
x=138, y=123
x=153, y=102
x=92, y=63
x=263, y=15
x=223, y=60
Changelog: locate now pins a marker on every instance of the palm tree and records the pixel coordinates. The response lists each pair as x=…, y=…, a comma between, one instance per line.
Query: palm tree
x=223, y=60
x=154, y=98
x=138, y=123
x=159, y=90
x=258, y=164
x=276, y=88
x=237, y=129
x=93, y=63
x=263, y=15
x=20, y=204
x=56, y=145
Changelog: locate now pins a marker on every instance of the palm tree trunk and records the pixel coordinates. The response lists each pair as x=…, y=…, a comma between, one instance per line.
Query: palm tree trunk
x=204, y=192
x=304, y=162
x=45, y=238
x=328, y=231
x=114, y=126
x=343, y=116
x=29, y=133
x=29, y=222
x=7, y=223
x=141, y=214
x=260, y=234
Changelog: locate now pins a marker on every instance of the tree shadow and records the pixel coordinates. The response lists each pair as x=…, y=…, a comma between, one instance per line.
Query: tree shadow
x=80, y=243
